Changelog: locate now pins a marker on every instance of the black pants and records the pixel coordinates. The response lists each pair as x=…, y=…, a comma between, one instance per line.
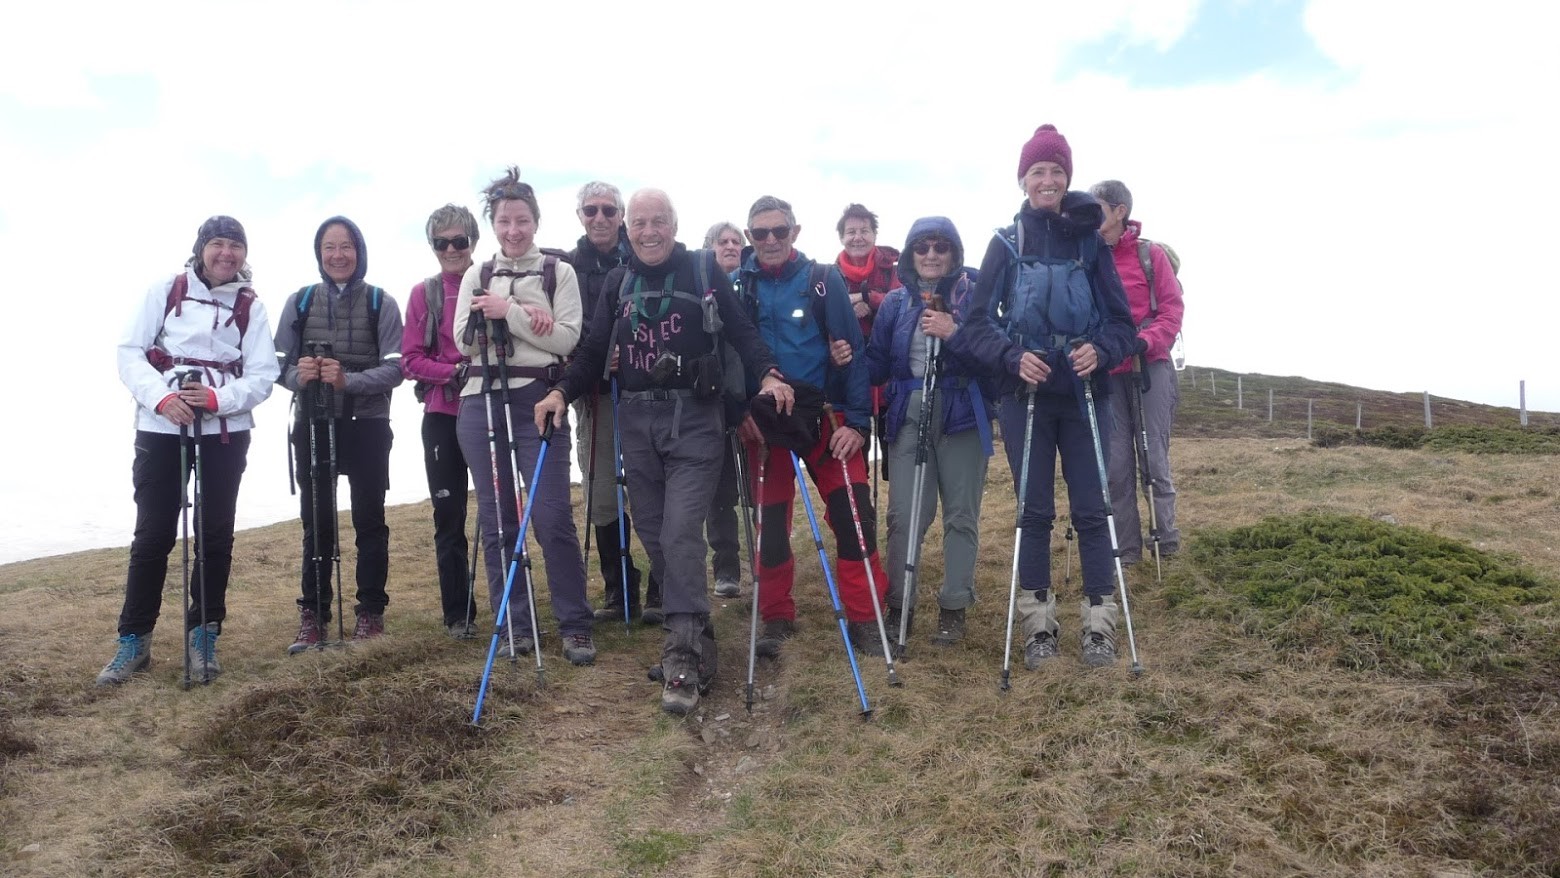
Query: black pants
x=363, y=456
x=158, y=498
x=446, y=468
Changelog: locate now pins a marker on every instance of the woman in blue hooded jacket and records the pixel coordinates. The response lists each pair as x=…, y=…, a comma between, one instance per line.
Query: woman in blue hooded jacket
x=925, y=309
x=1049, y=313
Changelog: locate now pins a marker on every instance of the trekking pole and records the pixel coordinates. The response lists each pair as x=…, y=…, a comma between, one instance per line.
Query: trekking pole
x=866, y=563
x=1067, y=540
x=1140, y=447
x=509, y=579
x=875, y=449
x=483, y=343
x=923, y=439
x=198, y=498
x=315, y=401
x=749, y=512
x=184, y=526
x=617, y=470
x=1018, y=536
x=523, y=495
x=335, y=500
x=590, y=474
x=828, y=578
x=1110, y=521
x=471, y=579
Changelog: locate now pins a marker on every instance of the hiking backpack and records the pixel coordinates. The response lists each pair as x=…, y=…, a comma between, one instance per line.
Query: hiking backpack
x=376, y=298
x=178, y=294
x=1146, y=259
x=1050, y=302
x=711, y=373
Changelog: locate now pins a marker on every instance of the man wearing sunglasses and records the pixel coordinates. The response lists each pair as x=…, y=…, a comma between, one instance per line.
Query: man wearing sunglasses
x=603, y=247
x=799, y=307
x=431, y=359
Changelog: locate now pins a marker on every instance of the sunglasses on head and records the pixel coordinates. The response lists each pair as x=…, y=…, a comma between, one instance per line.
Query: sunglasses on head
x=460, y=242
x=942, y=247
x=780, y=233
x=607, y=210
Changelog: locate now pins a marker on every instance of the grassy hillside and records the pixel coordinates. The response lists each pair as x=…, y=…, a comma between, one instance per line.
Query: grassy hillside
x=1397, y=717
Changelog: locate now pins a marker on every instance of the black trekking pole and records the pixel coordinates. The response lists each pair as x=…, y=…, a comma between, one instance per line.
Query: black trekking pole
x=923, y=442
x=1110, y=520
x=622, y=487
x=325, y=351
x=198, y=495
x=1140, y=448
x=828, y=578
x=1067, y=540
x=1018, y=536
x=318, y=560
x=590, y=472
x=749, y=513
x=184, y=520
x=471, y=581
x=522, y=500
x=509, y=579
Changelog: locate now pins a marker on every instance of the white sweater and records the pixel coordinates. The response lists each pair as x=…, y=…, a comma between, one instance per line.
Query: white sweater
x=528, y=348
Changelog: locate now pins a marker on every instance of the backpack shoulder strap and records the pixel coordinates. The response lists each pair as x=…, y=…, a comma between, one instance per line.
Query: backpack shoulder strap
x=433, y=295
x=241, y=305
x=176, y=295
x=1145, y=250
x=818, y=280
x=487, y=273
x=550, y=277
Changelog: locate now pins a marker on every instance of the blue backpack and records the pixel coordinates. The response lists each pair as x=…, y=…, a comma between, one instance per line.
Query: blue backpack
x=1050, y=305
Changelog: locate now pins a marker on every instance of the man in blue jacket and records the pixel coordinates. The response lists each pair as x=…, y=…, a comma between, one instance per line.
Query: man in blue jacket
x=799, y=307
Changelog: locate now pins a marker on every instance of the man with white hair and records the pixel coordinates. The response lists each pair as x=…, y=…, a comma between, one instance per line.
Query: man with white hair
x=663, y=315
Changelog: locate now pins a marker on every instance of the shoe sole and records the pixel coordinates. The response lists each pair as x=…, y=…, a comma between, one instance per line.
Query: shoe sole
x=678, y=705
x=139, y=669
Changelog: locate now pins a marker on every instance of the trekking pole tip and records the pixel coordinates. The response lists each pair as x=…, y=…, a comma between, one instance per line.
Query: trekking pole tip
x=1006, y=685
x=893, y=678
x=1137, y=669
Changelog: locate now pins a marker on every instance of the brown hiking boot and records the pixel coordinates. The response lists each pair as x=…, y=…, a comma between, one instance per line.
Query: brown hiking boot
x=369, y=626
x=311, y=632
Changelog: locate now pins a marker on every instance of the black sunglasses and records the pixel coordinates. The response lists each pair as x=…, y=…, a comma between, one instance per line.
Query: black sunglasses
x=459, y=243
x=607, y=210
x=942, y=247
x=780, y=233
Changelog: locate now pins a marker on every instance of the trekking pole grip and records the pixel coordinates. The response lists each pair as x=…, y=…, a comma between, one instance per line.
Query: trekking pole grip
x=547, y=428
x=1140, y=365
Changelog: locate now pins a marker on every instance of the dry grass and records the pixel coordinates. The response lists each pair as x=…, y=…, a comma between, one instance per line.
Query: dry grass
x=1228, y=757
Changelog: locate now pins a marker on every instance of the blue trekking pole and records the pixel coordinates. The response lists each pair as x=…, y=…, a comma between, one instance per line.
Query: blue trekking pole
x=509, y=579
x=617, y=470
x=828, y=578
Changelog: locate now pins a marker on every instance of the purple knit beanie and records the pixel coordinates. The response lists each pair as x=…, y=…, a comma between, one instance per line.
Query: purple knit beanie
x=1048, y=145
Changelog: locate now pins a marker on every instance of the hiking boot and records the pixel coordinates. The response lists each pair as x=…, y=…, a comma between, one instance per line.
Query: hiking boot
x=679, y=690
x=653, y=614
x=864, y=637
x=613, y=611
x=461, y=631
x=523, y=645
x=369, y=626
x=1040, y=649
x=311, y=631
x=1099, y=633
x=579, y=649
x=950, y=627
x=776, y=632
x=726, y=587
x=688, y=662
x=202, y=647
x=134, y=654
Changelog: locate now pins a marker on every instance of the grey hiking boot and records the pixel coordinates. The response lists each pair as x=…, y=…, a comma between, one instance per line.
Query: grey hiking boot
x=1099, y=633
x=579, y=649
x=202, y=646
x=950, y=627
x=688, y=662
x=461, y=630
x=1039, y=626
x=311, y=631
x=776, y=632
x=134, y=654
x=726, y=587
x=523, y=645
x=864, y=637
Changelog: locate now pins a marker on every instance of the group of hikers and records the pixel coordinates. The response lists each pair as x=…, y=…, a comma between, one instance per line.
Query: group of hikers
x=704, y=383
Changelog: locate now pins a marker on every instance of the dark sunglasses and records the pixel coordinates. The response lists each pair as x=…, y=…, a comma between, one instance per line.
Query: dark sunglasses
x=942, y=247
x=607, y=210
x=459, y=243
x=780, y=233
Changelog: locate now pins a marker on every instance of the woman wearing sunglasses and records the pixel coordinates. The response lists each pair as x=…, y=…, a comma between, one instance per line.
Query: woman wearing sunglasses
x=431, y=359
x=923, y=380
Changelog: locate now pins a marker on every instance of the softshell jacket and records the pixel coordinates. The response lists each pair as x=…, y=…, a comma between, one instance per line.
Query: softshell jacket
x=527, y=349
x=783, y=307
x=1055, y=235
x=893, y=333
x=1156, y=328
x=370, y=355
x=199, y=331
x=436, y=367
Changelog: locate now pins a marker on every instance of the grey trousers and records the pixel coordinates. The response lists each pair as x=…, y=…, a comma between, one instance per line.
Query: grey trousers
x=674, y=481
x=1125, y=481
x=956, y=472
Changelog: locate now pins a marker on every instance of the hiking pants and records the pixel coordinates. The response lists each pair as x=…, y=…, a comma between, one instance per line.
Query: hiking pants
x=721, y=526
x=363, y=456
x=776, y=566
x=446, y=468
x=674, y=481
x=158, y=498
x=552, y=520
x=1125, y=481
x=1061, y=425
x=956, y=472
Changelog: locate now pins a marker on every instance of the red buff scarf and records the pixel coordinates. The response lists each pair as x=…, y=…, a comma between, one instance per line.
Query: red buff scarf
x=856, y=275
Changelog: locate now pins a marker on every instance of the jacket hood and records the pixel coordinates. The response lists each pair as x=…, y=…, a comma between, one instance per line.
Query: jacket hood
x=1081, y=215
x=357, y=241
x=921, y=229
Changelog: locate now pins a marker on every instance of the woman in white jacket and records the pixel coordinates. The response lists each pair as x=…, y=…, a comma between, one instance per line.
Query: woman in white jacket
x=198, y=347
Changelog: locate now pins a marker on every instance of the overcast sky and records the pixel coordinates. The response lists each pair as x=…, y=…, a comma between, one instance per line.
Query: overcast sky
x=1319, y=167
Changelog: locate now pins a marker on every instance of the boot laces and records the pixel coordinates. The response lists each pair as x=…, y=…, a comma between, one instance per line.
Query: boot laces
x=129, y=648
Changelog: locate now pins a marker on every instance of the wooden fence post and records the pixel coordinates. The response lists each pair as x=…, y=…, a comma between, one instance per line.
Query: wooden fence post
x=1270, y=405
x=1427, y=410
x=1522, y=402
x=1239, y=397
x=1308, y=404
x=1359, y=409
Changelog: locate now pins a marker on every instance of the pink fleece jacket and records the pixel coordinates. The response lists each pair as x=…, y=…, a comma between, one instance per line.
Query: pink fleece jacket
x=436, y=367
x=1161, y=327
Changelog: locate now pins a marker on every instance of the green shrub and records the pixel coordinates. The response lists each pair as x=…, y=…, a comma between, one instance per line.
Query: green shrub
x=1365, y=593
x=1495, y=440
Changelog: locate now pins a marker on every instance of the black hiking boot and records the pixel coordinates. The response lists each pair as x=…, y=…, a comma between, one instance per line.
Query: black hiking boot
x=950, y=627
x=864, y=638
x=612, y=575
x=776, y=632
x=653, y=614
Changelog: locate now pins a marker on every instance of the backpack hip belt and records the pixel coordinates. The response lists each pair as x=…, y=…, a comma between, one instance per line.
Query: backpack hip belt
x=551, y=374
x=675, y=394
